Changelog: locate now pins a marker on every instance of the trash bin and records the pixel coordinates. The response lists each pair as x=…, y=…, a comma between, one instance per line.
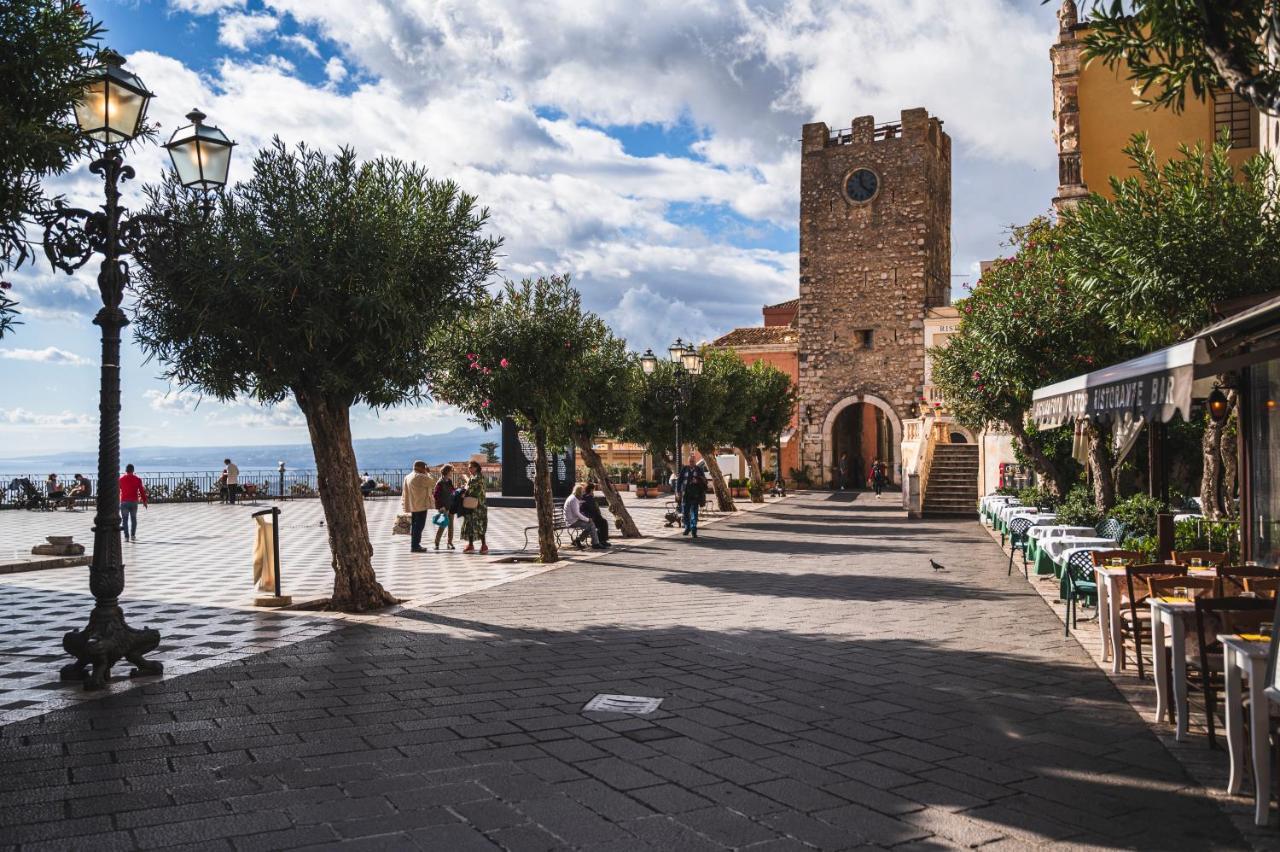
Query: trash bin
x=266, y=560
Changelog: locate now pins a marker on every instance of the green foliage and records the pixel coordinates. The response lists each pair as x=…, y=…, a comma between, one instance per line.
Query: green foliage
x=1147, y=545
x=1038, y=496
x=770, y=402
x=46, y=52
x=1056, y=444
x=490, y=450
x=604, y=398
x=318, y=276
x=1176, y=240
x=1172, y=47
x=1138, y=514
x=801, y=476
x=1197, y=534
x=517, y=355
x=1078, y=509
x=713, y=406
x=1021, y=327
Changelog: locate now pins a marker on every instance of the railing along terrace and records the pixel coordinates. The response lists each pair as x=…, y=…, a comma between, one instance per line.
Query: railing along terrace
x=203, y=485
x=844, y=135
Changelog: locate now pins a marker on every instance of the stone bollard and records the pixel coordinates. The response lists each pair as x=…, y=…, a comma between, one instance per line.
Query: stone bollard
x=58, y=545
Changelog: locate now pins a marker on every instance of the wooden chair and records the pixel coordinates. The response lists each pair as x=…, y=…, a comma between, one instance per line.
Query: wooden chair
x=1263, y=587
x=1207, y=557
x=1139, y=616
x=1100, y=557
x=1197, y=587
x=1234, y=579
x=1216, y=616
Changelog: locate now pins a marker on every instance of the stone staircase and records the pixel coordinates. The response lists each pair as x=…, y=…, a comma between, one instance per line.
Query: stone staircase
x=952, y=488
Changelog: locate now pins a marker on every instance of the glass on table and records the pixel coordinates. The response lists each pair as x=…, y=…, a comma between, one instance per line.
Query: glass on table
x=1264, y=629
x=1181, y=592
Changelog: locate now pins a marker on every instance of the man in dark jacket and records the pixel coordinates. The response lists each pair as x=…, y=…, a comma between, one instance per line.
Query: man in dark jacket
x=591, y=509
x=691, y=487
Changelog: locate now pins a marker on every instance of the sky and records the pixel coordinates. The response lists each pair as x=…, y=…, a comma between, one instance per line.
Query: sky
x=649, y=148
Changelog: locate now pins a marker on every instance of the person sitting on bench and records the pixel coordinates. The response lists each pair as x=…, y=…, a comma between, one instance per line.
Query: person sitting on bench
x=574, y=519
x=82, y=489
x=54, y=489
x=591, y=508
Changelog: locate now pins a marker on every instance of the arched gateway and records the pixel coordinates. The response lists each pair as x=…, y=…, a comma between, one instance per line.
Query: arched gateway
x=867, y=428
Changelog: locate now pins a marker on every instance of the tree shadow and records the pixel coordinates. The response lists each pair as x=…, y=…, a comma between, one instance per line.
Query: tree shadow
x=835, y=587
x=774, y=734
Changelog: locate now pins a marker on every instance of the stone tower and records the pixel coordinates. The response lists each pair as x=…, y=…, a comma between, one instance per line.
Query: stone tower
x=875, y=255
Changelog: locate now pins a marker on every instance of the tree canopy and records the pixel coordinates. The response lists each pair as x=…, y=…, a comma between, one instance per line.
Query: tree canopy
x=46, y=53
x=516, y=356
x=321, y=277
x=1176, y=241
x=770, y=402
x=1173, y=47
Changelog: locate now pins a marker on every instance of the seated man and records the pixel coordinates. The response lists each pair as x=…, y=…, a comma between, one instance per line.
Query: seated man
x=591, y=508
x=82, y=489
x=368, y=485
x=573, y=517
x=54, y=489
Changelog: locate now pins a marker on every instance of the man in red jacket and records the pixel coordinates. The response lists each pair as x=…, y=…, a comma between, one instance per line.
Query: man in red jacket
x=132, y=491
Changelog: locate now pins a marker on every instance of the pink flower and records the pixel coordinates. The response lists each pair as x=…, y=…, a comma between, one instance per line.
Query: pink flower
x=504, y=363
x=471, y=356
x=487, y=371
x=976, y=376
x=484, y=404
x=475, y=365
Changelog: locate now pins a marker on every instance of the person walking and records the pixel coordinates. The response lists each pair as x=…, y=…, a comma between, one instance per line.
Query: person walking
x=132, y=492
x=878, y=476
x=842, y=472
x=591, y=508
x=443, y=496
x=416, y=498
x=691, y=485
x=475, y=518
x=574, y=519
x=233, y=480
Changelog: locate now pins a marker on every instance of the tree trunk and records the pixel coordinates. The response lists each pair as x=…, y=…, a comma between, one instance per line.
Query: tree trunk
x=355, y=587
x=1230, y=456
x=1053, y=477
x=723, y=498
x=1211, y=470
x=753, y=470
x=611, y=495
x=543, y=499
x=1104, y=484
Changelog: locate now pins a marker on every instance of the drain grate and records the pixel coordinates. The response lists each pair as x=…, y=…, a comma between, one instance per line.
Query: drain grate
x=633, y=705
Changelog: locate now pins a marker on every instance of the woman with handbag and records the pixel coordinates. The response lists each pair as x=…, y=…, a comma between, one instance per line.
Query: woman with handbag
x=475, y=514
x=444, y=518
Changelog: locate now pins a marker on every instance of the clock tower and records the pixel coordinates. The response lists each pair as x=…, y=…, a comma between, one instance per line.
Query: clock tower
x=875, y=256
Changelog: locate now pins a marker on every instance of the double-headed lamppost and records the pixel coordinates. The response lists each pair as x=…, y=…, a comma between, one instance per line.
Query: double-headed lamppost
x=687, y=363
x=111, y=112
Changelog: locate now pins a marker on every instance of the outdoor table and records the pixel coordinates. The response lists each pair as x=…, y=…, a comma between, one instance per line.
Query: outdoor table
x=1172, y=613
x=1051, y=556
x=1037, y=535
x=991, y=503
x=1248, y=655
x=1187, y=516
x=1110, y=594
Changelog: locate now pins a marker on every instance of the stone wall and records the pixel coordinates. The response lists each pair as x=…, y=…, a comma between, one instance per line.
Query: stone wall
x=875, y=266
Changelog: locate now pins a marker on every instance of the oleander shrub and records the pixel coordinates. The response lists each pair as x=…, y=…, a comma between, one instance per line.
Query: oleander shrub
x=1078, y=509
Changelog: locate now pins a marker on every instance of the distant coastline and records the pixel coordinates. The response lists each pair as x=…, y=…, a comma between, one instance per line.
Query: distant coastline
x=371, y=453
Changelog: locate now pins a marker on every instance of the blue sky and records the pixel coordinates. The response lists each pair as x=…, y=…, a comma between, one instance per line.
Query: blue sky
x=653, y=156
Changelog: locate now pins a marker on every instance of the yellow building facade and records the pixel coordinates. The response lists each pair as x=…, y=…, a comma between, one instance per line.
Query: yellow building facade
x=1096, y=111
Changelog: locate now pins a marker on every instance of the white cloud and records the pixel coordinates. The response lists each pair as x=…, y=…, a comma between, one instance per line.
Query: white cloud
x=180, y=400
x=241, y=31
x=23, y=418
x=302, y=43
x=240, y=412
x=205, y=7
x=48, y=355
x=334, y=71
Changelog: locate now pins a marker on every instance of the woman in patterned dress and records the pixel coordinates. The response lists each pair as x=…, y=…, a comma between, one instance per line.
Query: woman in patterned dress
x=476, y=522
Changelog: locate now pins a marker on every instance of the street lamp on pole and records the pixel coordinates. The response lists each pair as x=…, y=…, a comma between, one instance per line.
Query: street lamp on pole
x=111, y=112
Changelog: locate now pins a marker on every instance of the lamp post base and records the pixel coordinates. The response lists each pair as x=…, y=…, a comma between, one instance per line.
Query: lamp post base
x=103, y=643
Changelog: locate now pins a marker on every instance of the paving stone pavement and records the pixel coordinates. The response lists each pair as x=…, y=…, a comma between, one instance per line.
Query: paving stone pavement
x=821, y=687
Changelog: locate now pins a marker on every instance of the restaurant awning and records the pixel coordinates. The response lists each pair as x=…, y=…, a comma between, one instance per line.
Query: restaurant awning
x=1156, y=385
x=1153, y=386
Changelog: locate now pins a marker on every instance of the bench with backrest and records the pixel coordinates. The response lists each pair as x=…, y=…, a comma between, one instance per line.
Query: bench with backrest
x=558, y=524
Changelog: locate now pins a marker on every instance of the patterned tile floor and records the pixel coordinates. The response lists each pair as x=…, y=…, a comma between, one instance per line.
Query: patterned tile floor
x=190, y=576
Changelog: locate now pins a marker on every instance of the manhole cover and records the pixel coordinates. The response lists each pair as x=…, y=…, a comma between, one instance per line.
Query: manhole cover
x=635, y=705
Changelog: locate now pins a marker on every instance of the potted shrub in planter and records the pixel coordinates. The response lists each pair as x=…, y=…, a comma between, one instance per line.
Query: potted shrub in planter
x=738, y=487
x=644, y=489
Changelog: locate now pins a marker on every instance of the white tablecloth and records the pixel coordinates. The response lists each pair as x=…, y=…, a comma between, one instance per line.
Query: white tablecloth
x=1057, y=548
x=1058, y=531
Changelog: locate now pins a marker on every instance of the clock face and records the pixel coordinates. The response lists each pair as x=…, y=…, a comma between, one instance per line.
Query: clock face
x=861, y=185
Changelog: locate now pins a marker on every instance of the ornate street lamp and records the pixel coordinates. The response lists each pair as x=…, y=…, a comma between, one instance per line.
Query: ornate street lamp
x=110, y=112
x=676, y=351
x=201, y=155
x=1219, y=406
x=691, y=360
x=648, y=362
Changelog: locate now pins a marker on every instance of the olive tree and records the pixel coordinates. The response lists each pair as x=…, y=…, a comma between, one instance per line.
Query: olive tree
x=320, y=278
x=517, y=356
x=770, y=403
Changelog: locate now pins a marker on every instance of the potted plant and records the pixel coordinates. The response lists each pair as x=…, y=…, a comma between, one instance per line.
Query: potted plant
x=644, y=489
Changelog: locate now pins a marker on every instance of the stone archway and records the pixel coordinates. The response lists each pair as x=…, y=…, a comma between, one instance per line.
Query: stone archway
x=895, y=437
x=967, y=435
